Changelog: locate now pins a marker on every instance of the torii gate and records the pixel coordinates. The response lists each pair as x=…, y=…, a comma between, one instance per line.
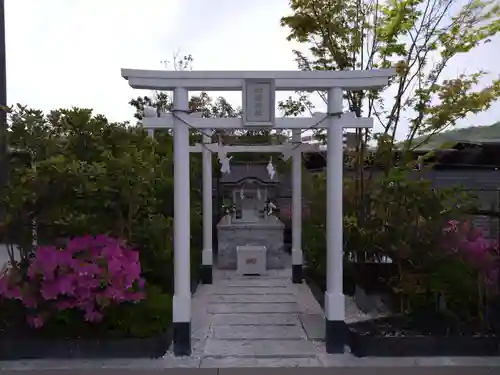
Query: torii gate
x=293, y=149
x=258, y=103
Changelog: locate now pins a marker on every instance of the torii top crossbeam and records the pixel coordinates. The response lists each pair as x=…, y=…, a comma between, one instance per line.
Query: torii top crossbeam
x=214, y=80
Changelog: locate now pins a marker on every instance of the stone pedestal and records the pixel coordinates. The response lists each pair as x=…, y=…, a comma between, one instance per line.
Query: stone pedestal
x=251, y=260
x=268, y=233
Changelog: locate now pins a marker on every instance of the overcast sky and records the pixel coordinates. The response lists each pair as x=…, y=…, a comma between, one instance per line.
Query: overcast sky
x=63, y=53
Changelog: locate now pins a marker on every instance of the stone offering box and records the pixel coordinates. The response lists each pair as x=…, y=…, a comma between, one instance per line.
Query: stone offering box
x=251, y=260
x=267, y=233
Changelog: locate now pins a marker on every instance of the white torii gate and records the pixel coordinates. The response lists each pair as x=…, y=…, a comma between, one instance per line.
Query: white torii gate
x=258, y=103
x=293, y=149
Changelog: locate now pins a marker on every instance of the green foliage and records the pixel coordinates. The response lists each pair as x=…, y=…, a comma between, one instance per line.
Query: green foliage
x=405, y=223
x=89, y=176
x=147, y=318
x=392, y=214
x=418, y=37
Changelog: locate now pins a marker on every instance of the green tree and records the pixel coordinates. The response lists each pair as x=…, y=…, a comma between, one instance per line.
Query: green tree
x=89, y=176
x=419, y=38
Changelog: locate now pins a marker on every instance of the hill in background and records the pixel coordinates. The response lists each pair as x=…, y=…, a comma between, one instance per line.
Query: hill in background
x=473, y=133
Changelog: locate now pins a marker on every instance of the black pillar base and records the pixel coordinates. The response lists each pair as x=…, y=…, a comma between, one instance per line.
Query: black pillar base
x=182, y=339
x=297, y=273
x=206, y=274
x=336, y=336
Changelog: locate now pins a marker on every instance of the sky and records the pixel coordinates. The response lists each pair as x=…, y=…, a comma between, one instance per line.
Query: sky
x=64, y=53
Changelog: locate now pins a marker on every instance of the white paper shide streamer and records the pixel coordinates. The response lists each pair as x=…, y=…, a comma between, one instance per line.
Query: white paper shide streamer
x=270, y=169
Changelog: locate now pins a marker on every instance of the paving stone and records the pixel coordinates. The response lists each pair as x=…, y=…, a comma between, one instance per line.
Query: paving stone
x=255, y=282
x=253, y=308
x=198, y=334
x=255, y=319
x=224, y=290
x=270, y=274
x=253, y=298
x=348, y=360
x=259, y=348
x=314, y=325
x=305, y=299
x=259, y=362
x=458, y=361
x=258, y=332
x=94, y=366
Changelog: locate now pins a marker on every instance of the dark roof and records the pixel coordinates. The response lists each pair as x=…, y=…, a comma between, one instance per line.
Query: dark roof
x=251, y=170
x=478, y=154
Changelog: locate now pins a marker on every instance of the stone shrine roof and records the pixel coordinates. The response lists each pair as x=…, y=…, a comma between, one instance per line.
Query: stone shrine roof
x=251, y=170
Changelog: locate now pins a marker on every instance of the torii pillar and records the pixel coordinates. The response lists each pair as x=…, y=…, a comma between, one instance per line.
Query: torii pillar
x=207, y=252
x=297, y=209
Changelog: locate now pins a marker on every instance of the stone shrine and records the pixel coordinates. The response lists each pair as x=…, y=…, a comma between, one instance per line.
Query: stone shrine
x=249, y=224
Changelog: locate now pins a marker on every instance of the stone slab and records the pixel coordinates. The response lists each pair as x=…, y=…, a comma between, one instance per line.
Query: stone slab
x=222, y=290
x=253, y=298
x=100, y=366
x=306, y=300
x=253, y=308
x=255, y=282
x=270, y=274
x=255, y=319
x=232, y=362
x=258, y=332
x=314, y=326
x=259, y=348
x=229, y=237
x=457, y=365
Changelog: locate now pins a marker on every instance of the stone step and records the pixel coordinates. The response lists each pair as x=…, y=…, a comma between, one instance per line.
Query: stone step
x=270, y=274
x=259, y=348
x=253, y=298
x=232, y=362
x=253, y=308
x=258, y=332
x=224, y=290
x=255, y=320
x=255, y=282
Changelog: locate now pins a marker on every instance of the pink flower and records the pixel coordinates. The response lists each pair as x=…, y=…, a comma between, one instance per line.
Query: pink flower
x=93, y=316
x=36, y=321
x=30, y=301
x=469, y=243
x=89, y=274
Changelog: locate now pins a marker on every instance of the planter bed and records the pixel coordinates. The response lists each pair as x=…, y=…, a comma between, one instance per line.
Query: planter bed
x=29, y=346
x=26, y=348
x=397, y=337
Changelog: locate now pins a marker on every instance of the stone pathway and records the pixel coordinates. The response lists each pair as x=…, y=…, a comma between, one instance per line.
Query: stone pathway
x=254, y=322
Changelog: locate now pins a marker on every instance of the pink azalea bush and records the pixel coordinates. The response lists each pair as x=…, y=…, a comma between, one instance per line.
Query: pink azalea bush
x=470, y=243
x=88, y=274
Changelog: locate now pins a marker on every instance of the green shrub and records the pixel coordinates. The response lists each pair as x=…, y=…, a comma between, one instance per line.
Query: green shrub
x=89, y=176
x=149, y=317
x=403, y=220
